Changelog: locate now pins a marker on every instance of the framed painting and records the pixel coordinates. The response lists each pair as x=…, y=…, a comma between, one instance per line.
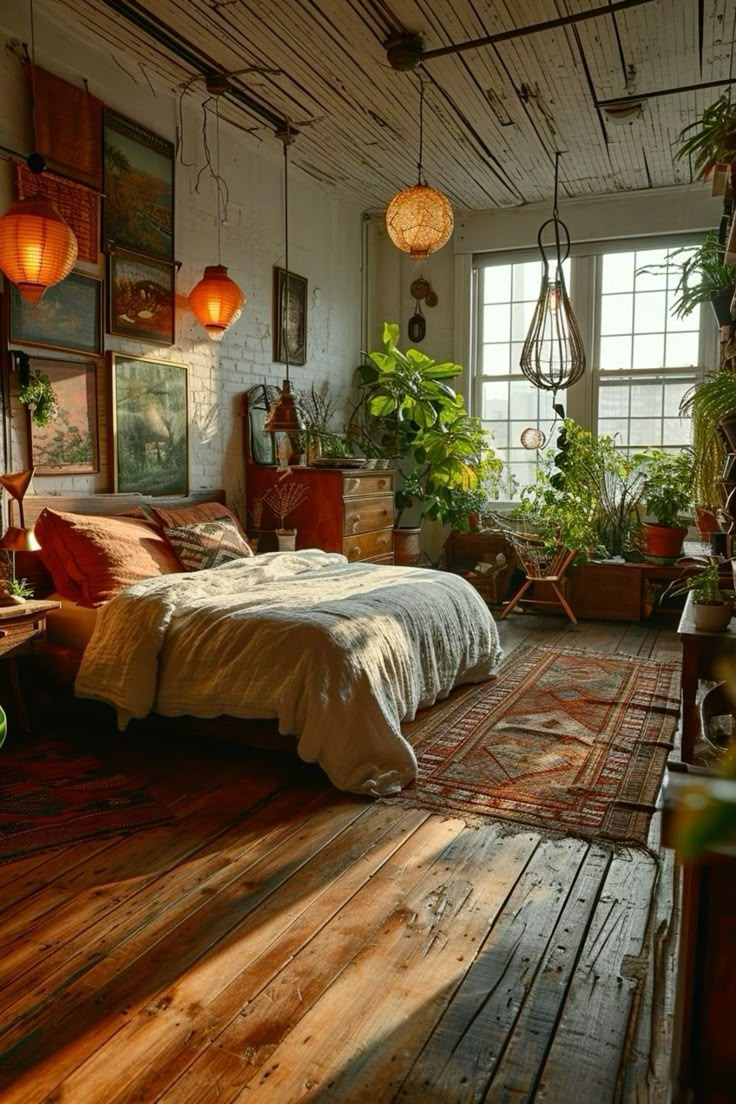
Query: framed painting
x=150, y=442
x=68, y=445
x=67, y=318
x=138, y=211
x=290, y=317
x=140, y=297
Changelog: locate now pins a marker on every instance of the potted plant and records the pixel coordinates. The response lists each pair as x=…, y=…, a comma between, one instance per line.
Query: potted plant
x=282, y=499
x=414, y=415
x=39, y=396
x=667, y=492
x=712, y=607
x=710, y=140
x=704, y=277
x=712, y=407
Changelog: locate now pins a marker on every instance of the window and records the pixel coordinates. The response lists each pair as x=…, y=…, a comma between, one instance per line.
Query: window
x=641, y=358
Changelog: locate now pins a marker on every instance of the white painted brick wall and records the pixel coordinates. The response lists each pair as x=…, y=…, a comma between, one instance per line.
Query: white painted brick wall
x=324, y=246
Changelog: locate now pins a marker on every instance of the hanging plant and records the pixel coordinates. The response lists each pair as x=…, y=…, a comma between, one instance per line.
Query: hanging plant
x=710, y=140
x=40, y=398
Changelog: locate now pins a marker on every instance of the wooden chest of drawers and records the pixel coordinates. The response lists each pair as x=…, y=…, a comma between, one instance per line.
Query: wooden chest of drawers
x=346, y=510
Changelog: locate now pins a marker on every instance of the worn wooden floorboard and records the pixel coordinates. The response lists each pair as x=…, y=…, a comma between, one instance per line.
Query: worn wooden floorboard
x=283, y=942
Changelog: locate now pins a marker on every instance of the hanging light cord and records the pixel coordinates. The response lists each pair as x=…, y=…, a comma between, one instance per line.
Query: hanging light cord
x=421, y=130
x=217, y=177
x=285, y=295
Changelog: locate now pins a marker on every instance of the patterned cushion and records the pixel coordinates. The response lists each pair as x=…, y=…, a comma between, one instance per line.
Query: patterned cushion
x=207, y=543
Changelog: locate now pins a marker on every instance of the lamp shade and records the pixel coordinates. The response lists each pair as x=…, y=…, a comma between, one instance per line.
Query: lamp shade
x=283, y=417
x=37, y=247
x=19, y=540
x=216, y=301
x=419, y=220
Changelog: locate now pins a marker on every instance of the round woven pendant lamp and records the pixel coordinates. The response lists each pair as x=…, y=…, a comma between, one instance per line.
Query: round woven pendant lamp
x=216, y=301
x=419, y=220
x=37, y=247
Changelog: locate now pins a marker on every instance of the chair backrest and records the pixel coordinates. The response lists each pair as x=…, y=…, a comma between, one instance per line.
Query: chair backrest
x=536, y=559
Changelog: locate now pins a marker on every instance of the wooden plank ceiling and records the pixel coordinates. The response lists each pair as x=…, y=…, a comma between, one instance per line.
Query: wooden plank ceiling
x=493, y=115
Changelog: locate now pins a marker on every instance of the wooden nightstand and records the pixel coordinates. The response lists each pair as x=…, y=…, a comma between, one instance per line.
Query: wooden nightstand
x=19, y=625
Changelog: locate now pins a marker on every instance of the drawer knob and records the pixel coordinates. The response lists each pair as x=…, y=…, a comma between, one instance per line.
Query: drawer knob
x=382, y=542
x=353, y=484
x=354, y=553
x=382, y=484
x=355, y=518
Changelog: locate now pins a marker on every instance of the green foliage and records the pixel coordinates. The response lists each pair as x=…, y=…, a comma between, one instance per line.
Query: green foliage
x=706, y=404
x=711, y=140
x=19, y=587
x=703, y=274
x=589, y=503
x=705, y=584
x=412, y=414
x=668, y=483
x=40, y=398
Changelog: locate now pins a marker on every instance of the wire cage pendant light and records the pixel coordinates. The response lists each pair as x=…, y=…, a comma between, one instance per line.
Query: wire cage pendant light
x=419, y=219
x=553, y=355
x=283, y=416
x=216, y=301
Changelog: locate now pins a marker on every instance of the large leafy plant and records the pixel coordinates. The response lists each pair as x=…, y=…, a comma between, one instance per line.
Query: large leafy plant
x=586, y=496
x=668, y=484
x=706, y=404
x=702, y=274
x=414, y=415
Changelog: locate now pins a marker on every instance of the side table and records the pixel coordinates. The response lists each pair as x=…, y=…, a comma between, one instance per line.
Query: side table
x=701, y=652
x=19, y=625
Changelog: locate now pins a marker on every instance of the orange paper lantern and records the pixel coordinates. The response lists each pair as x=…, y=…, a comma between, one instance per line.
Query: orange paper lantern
x=37, y=247
x=216, y=301
x=419, y=220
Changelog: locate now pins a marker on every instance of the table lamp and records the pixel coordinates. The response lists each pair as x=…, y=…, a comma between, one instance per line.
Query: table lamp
x=18, y=538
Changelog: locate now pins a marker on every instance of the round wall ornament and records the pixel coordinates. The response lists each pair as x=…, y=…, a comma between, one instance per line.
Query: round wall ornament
x=533, y=438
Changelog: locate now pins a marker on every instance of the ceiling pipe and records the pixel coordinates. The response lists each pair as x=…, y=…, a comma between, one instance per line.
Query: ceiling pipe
x=619, y=101
x=408, y=48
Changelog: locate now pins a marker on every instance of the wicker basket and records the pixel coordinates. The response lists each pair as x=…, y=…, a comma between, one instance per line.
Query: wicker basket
x=407, y=547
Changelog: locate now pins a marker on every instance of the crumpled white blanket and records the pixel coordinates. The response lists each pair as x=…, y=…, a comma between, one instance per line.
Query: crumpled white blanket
x=340, y=653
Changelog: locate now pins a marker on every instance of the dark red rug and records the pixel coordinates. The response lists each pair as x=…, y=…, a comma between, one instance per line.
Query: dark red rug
x=52, y=794
x=572, y=741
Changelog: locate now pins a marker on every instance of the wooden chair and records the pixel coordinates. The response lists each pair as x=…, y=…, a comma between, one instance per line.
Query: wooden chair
x=539, y=566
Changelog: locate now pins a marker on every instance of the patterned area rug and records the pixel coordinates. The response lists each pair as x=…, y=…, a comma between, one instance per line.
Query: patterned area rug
x=51, y=794
x=571, y=741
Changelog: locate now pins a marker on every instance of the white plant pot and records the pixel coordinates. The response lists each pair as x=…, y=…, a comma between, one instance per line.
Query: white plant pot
x=286, y=539
x=712, y=617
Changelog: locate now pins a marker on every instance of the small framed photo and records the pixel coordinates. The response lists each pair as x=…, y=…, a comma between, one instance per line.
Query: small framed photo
x=290, y=317
x=67, y=318
x=150, y=444
x=69, y=444
x=140, y=297
x=138, y=209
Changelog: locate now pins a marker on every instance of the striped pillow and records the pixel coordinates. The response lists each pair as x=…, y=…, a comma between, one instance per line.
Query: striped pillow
x=205, y=544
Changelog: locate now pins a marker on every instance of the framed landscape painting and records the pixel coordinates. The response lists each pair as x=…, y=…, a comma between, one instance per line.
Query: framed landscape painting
x=68, y=445
x=138, y=210
x=290, y=317
x=140, y=297
x=68, y=316
x=149, y=425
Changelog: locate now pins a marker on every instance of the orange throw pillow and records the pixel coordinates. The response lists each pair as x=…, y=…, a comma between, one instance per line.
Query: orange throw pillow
x=100, y=556
x=191, y=515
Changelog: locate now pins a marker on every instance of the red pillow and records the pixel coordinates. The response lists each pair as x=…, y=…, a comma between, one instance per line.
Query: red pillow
x=100, y=556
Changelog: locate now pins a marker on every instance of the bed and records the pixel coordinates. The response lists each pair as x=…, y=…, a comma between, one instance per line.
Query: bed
x=340, y=654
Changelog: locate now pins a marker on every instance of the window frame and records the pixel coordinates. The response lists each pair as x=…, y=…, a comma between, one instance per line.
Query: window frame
x=585, y=287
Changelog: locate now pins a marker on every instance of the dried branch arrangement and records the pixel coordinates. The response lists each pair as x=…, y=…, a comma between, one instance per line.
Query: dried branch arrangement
x=256, y=513
x=284, y=497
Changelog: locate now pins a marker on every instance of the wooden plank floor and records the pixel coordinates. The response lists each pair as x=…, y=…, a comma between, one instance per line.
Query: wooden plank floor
x=284, y=942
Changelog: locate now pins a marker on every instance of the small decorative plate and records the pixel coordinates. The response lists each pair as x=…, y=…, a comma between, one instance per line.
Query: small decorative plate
x=339, y=462
x=532, y=438
x=420, y=288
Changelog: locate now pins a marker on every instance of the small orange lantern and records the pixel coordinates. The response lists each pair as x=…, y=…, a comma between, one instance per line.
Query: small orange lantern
x=37, y=247
x=216, y=301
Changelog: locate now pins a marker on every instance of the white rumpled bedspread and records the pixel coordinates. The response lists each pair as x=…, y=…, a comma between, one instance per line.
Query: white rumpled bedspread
x=340, y=653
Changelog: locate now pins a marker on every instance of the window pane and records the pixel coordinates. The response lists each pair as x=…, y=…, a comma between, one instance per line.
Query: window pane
x=645, y=431
x=648, y=351
x=689, y=322
x=500, y=431
x=521, y=317
x=495, y=401
x=495, y=360
x=682, y=350
x=646, y=399
x=516, y=348
x=613, y=401
x=651, y=281
x=618, y=272
x=649, y=312
x=614, y=427
x=616, y=314
x=615, y=353
x=497, y=284
x=496, y=321
x=676, y=431
x=526, y=281
x=523, y=399
x=674, y=393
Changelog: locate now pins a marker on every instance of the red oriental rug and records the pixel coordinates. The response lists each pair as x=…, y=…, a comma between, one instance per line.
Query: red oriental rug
x=52, y=794
x=571, y=741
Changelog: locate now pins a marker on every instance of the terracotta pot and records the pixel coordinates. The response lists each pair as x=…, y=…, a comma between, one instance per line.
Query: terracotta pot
x=407, y=549
x=712, y=616
x=664, y=541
